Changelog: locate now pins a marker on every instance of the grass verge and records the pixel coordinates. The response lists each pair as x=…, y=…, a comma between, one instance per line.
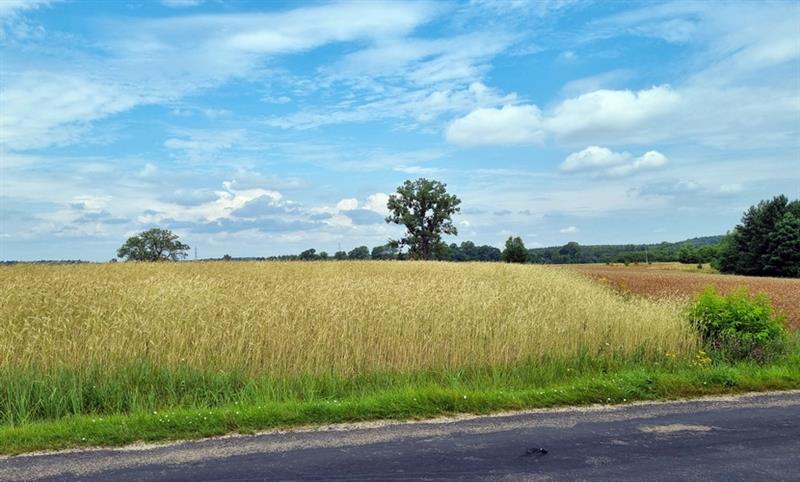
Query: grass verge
x=412, y=401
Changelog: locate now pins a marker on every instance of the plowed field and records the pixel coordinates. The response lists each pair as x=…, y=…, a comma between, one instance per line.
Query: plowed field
x=651, y=281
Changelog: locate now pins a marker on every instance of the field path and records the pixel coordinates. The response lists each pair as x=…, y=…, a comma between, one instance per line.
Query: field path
x=747, y=437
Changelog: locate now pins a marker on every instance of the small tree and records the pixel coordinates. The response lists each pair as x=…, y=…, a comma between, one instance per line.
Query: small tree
x=153, y=245
x=515, y=251
x=340, y=255
x=425, y=209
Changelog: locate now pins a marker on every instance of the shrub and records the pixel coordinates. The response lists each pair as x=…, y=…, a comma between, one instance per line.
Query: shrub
x=739, y=326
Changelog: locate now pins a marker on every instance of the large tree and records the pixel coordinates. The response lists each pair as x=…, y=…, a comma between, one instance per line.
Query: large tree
x=766, y=242
x=425, y=209
x=153, y=245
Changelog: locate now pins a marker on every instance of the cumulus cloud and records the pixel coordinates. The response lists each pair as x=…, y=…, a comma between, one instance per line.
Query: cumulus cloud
x=265, y=205
x=602, y=160
x=591, y=114
x=648, y=161
x=510, y=124
x=377, y=202
x=569, y=230
x=593, y=157
x=347, y=204
x=610, y=111
x=349, y=212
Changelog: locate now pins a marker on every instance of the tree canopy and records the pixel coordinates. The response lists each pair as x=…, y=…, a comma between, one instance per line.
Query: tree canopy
x=515, y=251
x=766, y=243
x=425, y=209
x=153, y=245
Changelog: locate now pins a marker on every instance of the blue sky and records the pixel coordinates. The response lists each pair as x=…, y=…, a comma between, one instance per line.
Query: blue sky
x=261, y=128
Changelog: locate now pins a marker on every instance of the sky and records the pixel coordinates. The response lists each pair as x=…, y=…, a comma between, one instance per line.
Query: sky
x=265, y=128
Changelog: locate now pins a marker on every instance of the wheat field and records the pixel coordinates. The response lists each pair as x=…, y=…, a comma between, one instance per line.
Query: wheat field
x=320, y=318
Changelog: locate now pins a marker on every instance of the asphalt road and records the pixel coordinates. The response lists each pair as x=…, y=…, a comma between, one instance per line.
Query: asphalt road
x=750, y=437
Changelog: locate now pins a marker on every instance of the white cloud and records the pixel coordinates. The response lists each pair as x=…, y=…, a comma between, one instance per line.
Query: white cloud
x=377, y=202
x=594, y=114
x=511, y=124
x=10, y=8
x=569, y=230
x=203, y=144
x=423, y=105
x=593, y=157
x=160, y=60
x=44, y=109
x=423, y=61
x=610, y=111
x=227, y=200
x=148, y=170
x=604, y=81
x=648, y=161
x=615, y=164
x=347, y=204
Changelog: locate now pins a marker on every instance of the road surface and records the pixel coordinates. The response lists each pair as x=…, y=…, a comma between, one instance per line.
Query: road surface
x=749, y=437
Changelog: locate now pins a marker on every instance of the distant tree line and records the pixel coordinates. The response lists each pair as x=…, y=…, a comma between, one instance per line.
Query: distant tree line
x=767, y=242
x=696, y=250
x=467, y=251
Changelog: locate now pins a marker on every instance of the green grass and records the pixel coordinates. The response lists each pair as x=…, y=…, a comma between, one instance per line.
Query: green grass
x=166, y=412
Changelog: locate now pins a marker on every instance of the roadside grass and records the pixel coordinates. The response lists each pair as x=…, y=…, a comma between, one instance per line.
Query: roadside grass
x=422, y=396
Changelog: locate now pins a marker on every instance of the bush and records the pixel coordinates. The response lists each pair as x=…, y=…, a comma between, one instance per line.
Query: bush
x=738, y=326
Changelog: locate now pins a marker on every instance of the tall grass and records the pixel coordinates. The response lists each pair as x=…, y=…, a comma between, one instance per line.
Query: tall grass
x=115, y=338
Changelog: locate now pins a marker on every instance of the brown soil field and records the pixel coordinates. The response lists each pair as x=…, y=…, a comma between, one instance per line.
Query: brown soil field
x=784, y=293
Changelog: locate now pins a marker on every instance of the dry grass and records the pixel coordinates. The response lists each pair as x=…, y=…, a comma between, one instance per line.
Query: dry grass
x=339, y=318
x=784, y=293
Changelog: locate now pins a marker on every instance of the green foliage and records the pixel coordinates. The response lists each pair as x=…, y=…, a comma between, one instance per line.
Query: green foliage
x=766, y=243
x=153, y=245
x=689, y=254
x=308, y=255
x=425, y=209
x=468, y=251
x=515, y=251
x=702, y=249
x=738, y=326
x=361, y=252
x=387, y=251
x=340, y=255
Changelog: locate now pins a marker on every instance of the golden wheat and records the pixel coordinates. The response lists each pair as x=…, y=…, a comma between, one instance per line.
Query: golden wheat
x=342, y=318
